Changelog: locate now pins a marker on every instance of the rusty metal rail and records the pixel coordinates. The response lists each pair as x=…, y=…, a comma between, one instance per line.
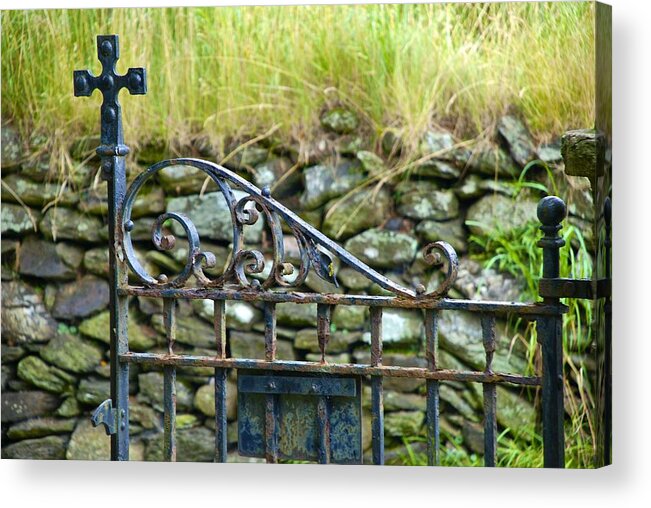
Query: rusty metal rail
x=328, y=368
x=324, y=397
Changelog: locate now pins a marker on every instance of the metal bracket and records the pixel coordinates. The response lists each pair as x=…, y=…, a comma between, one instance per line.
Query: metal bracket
x=105, y=415
x=575, y=288
x=329, y=387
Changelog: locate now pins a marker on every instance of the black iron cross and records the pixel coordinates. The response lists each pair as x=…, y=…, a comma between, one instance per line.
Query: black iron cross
x=110, y=83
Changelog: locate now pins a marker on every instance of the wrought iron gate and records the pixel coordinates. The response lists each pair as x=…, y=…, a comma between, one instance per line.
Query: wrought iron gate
x=298, y=409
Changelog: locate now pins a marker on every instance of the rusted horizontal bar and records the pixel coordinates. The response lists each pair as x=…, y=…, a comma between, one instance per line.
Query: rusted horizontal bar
x=317, y=367
x=534, y=309
x=574, y=288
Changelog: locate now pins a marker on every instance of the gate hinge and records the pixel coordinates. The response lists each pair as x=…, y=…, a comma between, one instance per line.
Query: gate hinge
x=574, y=288
x=106, y=415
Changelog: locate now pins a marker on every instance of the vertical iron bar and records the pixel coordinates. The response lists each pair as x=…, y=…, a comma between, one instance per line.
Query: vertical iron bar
x=323, y=316
x=169, y=416
x=221, y=443
x=114, y=171
x=432, y=414
x=219, y=320
x=490, y=392
x=271, y=402
x=112, y=152
x=119, y=370
x=323, y=417
x=271, y=428
x=270, y=331
x=551, y=212
x=169, y=383
x=377, y=389
x=490, y=424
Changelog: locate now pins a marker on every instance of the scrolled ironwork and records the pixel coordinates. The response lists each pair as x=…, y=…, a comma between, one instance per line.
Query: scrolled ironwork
x=434, y=254
x=246, y=266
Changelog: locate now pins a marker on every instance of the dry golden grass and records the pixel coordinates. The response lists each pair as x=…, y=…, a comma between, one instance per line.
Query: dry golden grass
x=233, y=71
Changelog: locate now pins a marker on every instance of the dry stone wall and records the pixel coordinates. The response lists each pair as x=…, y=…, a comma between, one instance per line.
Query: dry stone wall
x=55, y=317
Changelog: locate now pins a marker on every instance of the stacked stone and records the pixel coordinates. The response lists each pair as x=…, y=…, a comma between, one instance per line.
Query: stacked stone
x=55, y=316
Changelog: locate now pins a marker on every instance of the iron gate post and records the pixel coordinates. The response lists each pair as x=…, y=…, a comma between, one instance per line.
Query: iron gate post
x=551, y=212
x=112, y=152
x=608, y=348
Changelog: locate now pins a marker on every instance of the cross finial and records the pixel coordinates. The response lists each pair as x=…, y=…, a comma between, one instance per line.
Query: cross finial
x=110, y=83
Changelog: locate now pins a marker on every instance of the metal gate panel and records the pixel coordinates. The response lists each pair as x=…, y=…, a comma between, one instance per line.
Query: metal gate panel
x=315, y=418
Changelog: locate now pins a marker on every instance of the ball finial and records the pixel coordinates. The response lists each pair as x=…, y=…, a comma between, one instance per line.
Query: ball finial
x=551, y=210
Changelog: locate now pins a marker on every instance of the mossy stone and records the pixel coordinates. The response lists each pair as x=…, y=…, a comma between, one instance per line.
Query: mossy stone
x=362, y=210
x=35, y=371
x=500, y=212
x=296, y=314
x=65, y=224
x=20, y=405
x=72, y=353
x=327, y=181
x=437, y=143
x=340, y=341
x=93, y=392
x=251, y=345
x=454, y=398
x=45, y=448
x=96, y=261
x=195, y=444
x=88, y=443
x=352, y=279
x=144, y=415
x=460, y=334
x=422, y=200
x=396, y=401
x=189, y=330
x=13, y=149
x=380, y=248
x=371, y=162
x=469, y=188
x=24, y=316
x=492, y=161
x=41, y=427
x=518, y=139
x=401, y=326
x=204, y=399
x=46, y=260
x=16, y=220
x=151, y=391
x=451, y=231
x=211, y=216
x=34, y=193
x=141, y=338
x=239, y=315
x=403, y=423
x=349, y=317
x=68, y=408
x=340, y=120
x=81, y=298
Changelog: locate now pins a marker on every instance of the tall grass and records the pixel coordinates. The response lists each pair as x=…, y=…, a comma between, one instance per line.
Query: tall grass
x=244, y=70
